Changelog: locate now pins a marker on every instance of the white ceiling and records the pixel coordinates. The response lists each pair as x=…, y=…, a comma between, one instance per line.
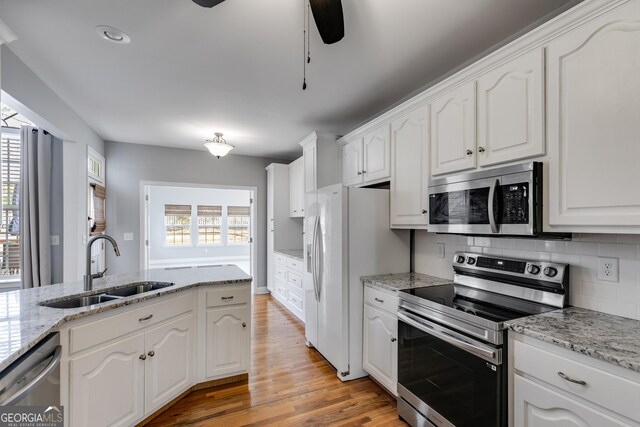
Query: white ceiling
x=237, y=68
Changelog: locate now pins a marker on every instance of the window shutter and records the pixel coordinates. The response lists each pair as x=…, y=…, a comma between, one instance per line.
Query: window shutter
x=99, y=220
x=204, y=210
x=238, y=210
x=177, y=210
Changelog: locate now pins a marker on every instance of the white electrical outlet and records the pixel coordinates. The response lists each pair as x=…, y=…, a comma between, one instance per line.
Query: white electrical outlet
x=608, y=269
x=440, y=250
x=128, y=236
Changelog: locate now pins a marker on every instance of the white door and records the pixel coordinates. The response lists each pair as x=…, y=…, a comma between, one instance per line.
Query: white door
x=377, y=154
x=453, y=130
x=333, y=292
x=409, y=169
x=511, y=110
x=538, y=406
x=380, y=358
x=227, y=340
x=169, y=364
x=593, y=117
x=107, y=385
x=352, y=163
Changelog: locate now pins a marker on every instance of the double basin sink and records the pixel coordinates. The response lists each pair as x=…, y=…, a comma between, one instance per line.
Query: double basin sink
x=107, y=295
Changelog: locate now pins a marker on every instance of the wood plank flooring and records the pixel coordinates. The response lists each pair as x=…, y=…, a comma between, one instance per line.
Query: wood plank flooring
x=289, y=385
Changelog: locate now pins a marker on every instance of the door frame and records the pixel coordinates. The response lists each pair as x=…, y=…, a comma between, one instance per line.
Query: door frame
x=144, y=219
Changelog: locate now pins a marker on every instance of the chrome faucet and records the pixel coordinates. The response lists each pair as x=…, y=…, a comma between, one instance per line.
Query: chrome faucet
x=88, y=278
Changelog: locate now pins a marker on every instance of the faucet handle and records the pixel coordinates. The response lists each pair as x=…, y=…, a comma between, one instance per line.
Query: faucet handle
x=100, y=274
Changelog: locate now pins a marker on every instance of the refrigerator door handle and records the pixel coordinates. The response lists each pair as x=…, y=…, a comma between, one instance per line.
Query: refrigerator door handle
x=320, y=259
x=314, y=259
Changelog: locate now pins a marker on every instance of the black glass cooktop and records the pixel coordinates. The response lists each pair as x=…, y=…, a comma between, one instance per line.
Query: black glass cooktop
x=487, y=305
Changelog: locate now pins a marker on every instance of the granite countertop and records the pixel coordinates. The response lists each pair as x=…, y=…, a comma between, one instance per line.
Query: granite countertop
x=603, y=336
x=23, y=322
x=293, y=253
x=396, y=282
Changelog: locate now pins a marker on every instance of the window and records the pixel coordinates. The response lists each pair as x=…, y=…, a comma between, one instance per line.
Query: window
x=238, y=224
x=95, y=166
x=10, y=223
x=209, y=225
x=177, y=224
x=97, y=222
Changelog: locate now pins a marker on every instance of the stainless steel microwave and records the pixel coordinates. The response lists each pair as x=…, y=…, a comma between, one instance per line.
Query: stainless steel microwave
x=504, y=201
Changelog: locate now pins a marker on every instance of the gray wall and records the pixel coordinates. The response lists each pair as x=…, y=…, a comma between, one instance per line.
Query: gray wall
x=129, y=164
x=52, y=112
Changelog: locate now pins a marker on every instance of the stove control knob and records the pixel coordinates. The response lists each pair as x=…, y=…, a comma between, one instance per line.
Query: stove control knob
x=550, y=271
x=471, y=260
x=459, y=259
x=533, y=269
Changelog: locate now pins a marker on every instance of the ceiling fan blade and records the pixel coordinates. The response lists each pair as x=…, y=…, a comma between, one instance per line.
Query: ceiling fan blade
x=329, y=19
x=207, y=3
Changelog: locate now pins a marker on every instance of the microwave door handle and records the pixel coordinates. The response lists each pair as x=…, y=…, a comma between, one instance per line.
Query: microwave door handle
x=491, y=204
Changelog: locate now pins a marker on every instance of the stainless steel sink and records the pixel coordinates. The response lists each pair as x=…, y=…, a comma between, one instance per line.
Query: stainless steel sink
x=138, y=288
x=80, y=301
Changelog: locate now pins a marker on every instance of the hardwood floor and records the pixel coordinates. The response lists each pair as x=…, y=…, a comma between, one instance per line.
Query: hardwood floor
x=289, y=385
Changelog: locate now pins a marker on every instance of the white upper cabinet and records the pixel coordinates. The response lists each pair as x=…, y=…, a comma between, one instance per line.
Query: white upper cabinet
x=594, y=124
x=409, y=170
x=321, y=161
x=296, y=188
x=352, y=163
x=511, y=110
x=310, y=158
x=377, y=155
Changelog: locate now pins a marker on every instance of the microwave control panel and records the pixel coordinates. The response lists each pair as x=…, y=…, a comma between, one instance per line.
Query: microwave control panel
x=515, y=203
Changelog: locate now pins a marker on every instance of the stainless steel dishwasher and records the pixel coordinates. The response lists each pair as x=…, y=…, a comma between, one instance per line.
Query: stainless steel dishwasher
x=34, y=379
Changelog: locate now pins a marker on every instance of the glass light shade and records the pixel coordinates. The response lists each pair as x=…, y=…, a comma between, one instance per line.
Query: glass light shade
x=218, y=146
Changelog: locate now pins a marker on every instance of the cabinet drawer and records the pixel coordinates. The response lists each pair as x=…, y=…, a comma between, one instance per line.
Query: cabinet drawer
x=281, y=272
x=295, y=301
x=280, y=259
x=228, y=296
x=281, y=292
x=602, y=388
x=295, y=264
x=295, y=280
x=87, y=335
x=380, y=299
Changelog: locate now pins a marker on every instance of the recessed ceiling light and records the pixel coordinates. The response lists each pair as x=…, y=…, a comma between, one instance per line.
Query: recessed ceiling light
x=112, y=34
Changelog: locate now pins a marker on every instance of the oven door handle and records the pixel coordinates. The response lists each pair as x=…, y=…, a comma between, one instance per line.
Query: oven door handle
x=491, y=205
x=488, y=354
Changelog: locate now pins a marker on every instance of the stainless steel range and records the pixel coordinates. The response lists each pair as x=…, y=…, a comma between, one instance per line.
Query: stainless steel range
x=452, y=338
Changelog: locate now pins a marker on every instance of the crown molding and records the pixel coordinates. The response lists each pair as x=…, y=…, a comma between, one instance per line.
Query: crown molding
x=6, y=35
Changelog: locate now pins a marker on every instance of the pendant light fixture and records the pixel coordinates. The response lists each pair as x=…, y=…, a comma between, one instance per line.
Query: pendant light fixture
x=218, y=146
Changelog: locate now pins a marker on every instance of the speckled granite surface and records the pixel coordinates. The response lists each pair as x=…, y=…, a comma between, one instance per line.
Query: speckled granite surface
x=604, y=336
x=293, y=253
x=396, y=282
x=23, y=322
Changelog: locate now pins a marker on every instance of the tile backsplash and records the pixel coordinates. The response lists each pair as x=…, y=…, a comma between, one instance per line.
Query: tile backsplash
x=585, y=290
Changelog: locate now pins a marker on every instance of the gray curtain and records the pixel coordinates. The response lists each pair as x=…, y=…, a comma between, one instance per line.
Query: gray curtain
x=35, y=207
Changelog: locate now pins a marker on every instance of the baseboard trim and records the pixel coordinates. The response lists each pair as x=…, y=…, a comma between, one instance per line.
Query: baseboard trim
x=199, y=386
x=260, y=290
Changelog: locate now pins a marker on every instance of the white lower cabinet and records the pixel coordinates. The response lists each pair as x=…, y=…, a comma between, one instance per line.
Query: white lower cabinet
x=107, y=385
x=380, y=332
x=227, y=340
x=289, y=290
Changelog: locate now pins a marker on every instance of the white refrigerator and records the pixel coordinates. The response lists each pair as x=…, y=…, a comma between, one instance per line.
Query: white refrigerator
x=347, y=236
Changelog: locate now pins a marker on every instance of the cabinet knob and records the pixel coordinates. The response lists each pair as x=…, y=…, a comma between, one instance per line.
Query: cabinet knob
x=151, y=353
x=469, y=152
x=363, y=172
x=142, y=357
x=244, y=325
x=424, y=211
x=359, y=172
x=480, y=149
x=393, y=339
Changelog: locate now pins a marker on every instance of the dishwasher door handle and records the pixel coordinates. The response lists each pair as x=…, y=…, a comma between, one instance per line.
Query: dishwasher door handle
x=53, y=363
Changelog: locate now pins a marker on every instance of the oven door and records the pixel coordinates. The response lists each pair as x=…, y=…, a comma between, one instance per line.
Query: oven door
x=449, y=378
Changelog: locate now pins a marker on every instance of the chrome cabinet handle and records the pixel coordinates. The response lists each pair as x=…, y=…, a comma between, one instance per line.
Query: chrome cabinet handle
x=379, y=300
x=480, y=149
x=393, y=339
x=227, y=298
x=571, y=380
x=469, y=152
x=142, y=357
x=142, y=319
x=244, y=325
x=151, y=353
x=363, y=172
x=424, y=211
x=359, y=172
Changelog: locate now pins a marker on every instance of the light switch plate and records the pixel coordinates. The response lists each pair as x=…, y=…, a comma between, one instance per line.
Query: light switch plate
x=440, y=250
x=128, y=236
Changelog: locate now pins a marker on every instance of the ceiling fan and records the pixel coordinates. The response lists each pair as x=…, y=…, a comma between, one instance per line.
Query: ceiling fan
x=326, y=13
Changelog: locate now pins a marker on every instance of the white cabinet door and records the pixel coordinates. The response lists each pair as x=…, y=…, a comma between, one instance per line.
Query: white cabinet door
x=296, y=189
x=539, y=406
x=352, y=163
x=380, y=358
x=309, y=154
x=511, y=110
x=453, y=130
x=107, y=385
x=593, y=117
x=409, y=169
x=169, y=366
x=377, y=154
x=227, y=341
